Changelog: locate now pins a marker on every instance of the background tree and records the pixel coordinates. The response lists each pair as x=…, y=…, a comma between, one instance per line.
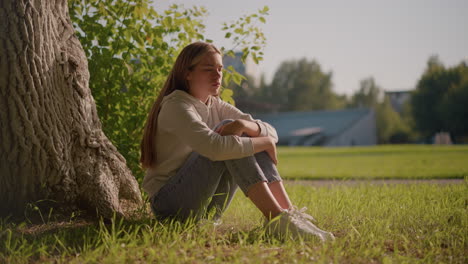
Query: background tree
x=453, y=107
x=391, y=128
x=300, y=85
x=439, y=101
x=245, y=89
x=369, y=94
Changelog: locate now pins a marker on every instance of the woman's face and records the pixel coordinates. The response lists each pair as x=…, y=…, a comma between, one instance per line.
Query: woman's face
x=205, y=78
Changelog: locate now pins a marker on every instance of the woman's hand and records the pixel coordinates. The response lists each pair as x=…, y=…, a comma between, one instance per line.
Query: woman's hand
x=266, y=144
x=251, y=129
x=272, y=151
x=235, y=127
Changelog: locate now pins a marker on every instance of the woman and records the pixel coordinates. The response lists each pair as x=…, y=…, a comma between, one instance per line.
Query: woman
x=197, y=149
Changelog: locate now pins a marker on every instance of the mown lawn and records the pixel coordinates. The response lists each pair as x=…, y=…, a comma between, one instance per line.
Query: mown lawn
x=413, y=223
x=373, y=223
x=374, y=162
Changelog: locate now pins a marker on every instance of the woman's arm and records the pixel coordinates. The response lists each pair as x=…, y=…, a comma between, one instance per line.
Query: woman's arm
x=260, y=143
x=252, y=129
x=239, y=126
x=230, y=111
x=182, y=120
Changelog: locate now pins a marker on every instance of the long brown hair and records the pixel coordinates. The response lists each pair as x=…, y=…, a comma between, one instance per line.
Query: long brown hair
x=186, y=61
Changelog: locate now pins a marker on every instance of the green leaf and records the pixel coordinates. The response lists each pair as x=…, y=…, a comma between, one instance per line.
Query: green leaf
x=254, y=57
x=182, y=36
x=227, y=78
x=231, y=53
x=237, y=78
x=228, y=92
x=226, y=95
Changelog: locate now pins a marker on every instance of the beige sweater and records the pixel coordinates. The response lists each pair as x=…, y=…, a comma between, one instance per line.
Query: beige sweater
x=185, y=124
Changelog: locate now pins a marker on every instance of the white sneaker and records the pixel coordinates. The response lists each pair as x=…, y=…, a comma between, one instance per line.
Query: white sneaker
x=217, y=222
x=324, y=235
x=288, y=224
x=303, y=213
x=209, y=222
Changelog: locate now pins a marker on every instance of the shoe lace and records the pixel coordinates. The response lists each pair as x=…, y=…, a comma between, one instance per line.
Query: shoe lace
x=296, y=219
x=301, y=213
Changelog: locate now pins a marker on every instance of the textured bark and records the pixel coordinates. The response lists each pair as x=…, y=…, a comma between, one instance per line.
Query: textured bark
x=51, y=142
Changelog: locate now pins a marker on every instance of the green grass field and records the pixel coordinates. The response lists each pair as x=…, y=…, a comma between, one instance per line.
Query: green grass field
x=385, y=223
x=374, y=162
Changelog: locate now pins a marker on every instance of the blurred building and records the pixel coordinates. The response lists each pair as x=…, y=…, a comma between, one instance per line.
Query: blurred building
x=347, y=127
x=251, y=106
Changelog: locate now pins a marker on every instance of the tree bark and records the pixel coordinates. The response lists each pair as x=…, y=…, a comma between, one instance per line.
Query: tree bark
x=51, y=142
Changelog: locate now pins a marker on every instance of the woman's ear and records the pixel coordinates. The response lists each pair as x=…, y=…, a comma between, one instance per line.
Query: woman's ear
x=188, y=76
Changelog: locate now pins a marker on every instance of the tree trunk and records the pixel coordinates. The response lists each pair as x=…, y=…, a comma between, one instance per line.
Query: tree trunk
x=51, y=142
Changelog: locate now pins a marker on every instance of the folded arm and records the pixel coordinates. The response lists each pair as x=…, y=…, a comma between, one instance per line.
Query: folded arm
x=252, y=126
x=183, y=121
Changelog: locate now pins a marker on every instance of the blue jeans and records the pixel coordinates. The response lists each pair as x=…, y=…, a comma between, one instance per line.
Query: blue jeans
x=202, y=185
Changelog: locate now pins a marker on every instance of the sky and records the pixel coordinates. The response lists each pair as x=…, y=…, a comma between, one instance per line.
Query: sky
x=389, y=40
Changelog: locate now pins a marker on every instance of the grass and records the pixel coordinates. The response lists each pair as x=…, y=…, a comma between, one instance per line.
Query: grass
x=373, y=223
x=374, y=162
x=415, y=223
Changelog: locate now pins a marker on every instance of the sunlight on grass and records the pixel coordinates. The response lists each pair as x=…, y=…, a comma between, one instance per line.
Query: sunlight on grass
x=372, y=223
